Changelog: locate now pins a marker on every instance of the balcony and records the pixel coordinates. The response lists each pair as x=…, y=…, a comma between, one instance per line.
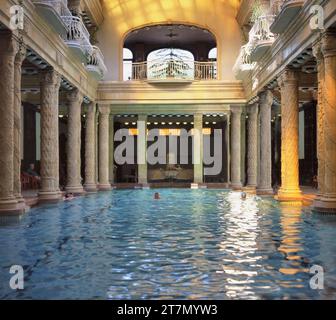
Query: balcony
x=285, y=12
x=261, y=37
x=96, y=66
x=78, y=38
x=243, y=64
x=53, y=11
x=165, y=71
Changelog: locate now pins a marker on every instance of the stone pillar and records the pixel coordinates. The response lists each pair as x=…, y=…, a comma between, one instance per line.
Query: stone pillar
x=327, y=202
x=50, y=84
x=198, y=148
x=236, y=112
x=142, y=149
x=90, y=150
x=74, y=180
x=265, y=180
x=252, y=147
x=317, y=51
x=228, y=149
x=21, y=55
x=8, y=50
x=111, y=151
x=104, y=184
x=290, y=190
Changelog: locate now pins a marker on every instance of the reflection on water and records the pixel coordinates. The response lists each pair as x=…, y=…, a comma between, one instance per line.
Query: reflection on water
x=239, y=243
x=191, y=244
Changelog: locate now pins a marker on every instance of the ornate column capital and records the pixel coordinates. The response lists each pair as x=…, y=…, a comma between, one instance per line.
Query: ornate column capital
x=266, y=98
x=317, y=51
x=50, y=77
x=91, y=108
x=328, y=43
x=8, y=45
x=236, y=109
x=75, y=96
x=253, y=109
x=104, y=109
x=288, y=77
x=20, y=56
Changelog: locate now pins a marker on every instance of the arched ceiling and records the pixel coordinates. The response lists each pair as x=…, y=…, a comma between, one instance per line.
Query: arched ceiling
x=131, y=14
x=177, y=36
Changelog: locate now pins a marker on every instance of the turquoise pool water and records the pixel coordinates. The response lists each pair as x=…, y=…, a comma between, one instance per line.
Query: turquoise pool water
x=191, y=244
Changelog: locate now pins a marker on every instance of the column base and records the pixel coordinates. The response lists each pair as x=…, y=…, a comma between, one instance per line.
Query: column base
x=76, y=191
x=250, y=189
x=91, y=188
x=236, y=186
x=265, y=192
x=11, y=207
x=104, y=187
x=324, y=205
x=290, y=196
x=49, y=196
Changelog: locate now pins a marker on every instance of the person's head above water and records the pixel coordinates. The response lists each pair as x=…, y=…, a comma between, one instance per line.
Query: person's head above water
x=157, y=196
x=243, y=195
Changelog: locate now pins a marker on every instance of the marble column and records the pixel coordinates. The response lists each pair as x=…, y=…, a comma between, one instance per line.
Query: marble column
x=50, y=83
x=111, y=151
x=290, y=190
x=90, y=150
x=21, y=55
x=252, y=147
x=142, y=149
x=8, y=50
x=104, y=123
x=198, y=148
x=236, y=113
x=74, y=180
x=228, y=149
x=265, y=179
x=317, y=52
x=327, y=202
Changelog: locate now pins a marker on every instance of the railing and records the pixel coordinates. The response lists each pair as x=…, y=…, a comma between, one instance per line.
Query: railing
x=243, y=62
x=96, y=59
x=77, y=32
x=174, y=70
x=206, y=70
x=60, y=6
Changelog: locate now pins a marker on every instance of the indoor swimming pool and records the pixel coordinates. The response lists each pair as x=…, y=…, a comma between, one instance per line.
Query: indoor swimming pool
x=190, y=244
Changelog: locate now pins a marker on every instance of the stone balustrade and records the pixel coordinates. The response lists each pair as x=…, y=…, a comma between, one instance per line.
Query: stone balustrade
x=96, y=63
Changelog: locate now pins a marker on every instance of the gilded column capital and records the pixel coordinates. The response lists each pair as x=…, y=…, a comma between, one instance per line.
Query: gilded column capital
x=288, y=77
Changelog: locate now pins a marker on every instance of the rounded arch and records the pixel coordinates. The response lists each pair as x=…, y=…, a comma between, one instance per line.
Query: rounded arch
x=208, y=29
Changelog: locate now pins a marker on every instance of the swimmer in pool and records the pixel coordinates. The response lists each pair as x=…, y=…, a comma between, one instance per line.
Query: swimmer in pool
x=157, y=196
x=68, y=197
